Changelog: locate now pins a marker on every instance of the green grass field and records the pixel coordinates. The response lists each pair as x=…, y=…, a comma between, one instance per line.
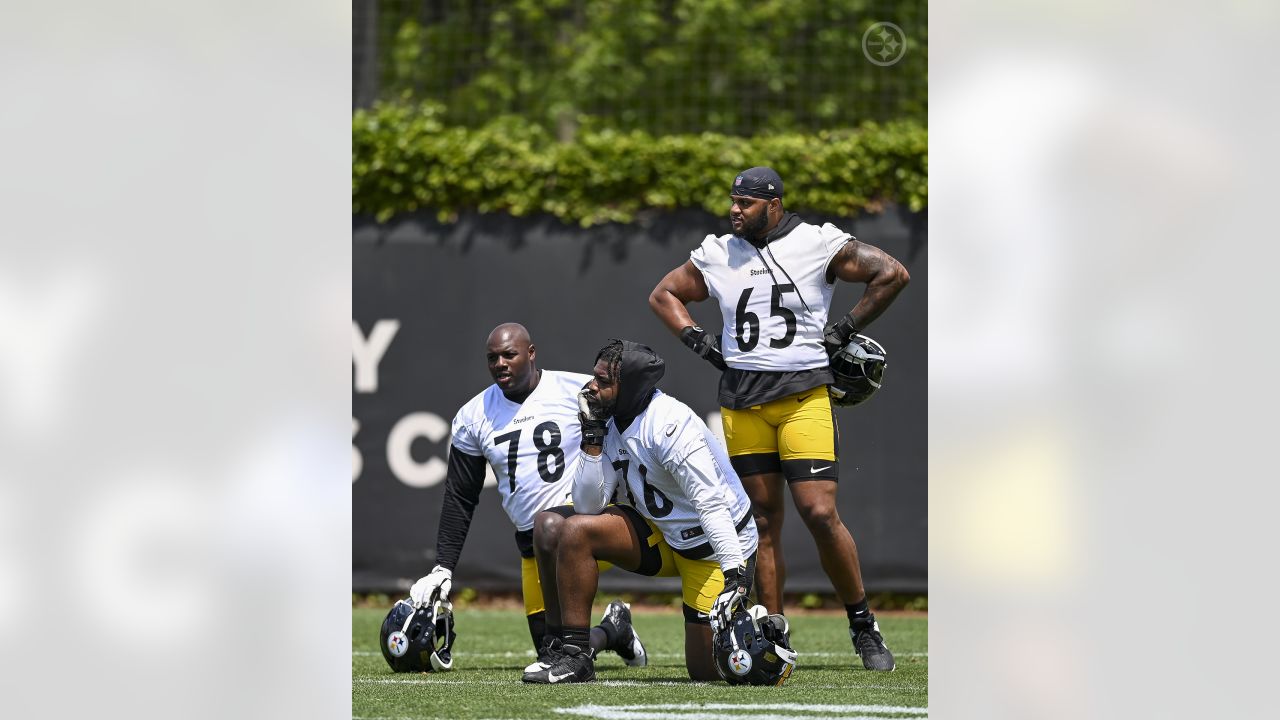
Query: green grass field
x=493, y=647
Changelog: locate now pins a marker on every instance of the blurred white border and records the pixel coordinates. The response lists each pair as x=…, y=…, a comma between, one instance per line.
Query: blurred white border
x=174, y=321
x=174, y=403
x=1099, y=236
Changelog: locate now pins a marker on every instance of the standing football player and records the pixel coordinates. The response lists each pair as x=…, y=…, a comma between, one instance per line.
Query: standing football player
x=685, y=512
x=525, y=426
x=774, y=277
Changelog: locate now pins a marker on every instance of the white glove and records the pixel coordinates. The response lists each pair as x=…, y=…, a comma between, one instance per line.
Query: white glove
x=439, y=578
x=733, y=597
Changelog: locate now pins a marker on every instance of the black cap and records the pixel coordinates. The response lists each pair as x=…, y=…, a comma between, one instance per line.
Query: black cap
x=758, y=182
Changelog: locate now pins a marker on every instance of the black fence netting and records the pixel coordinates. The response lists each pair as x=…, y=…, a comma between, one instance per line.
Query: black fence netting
x=663, y=66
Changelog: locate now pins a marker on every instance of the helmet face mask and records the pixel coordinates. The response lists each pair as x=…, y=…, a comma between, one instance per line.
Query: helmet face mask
x=418, y=640
x=858, y=368
x=755, y=649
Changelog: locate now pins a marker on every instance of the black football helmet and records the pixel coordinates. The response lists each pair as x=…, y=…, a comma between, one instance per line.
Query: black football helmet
x=418, y=640
x=859, y=369
x=755, y=648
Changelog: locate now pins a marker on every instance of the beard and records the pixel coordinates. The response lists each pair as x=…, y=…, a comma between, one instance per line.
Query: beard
x=755, y=230
x=608, y=409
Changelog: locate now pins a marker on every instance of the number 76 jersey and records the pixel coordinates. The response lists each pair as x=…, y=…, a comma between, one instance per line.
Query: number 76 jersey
x=669, y=466
x=531, y=446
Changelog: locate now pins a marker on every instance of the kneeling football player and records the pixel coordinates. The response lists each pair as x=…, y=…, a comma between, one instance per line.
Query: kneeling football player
x=681, y=511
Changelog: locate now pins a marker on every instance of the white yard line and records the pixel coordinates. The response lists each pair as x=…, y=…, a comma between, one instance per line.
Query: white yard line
x=695, y=711
x=900, y=709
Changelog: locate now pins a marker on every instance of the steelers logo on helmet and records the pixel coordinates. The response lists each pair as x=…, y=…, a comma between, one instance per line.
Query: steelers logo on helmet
x=398, y=644
x=418, y=639
x=858, y=368
x=754, y=648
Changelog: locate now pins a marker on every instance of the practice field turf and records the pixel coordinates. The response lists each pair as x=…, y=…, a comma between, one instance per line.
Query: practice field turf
x=493, y=647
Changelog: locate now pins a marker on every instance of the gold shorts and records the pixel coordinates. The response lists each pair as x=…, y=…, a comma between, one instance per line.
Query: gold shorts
x=796, y=435
x=700, y=580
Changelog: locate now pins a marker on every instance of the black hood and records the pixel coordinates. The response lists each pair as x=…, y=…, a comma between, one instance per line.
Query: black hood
x=788, y=223
x=638, y=377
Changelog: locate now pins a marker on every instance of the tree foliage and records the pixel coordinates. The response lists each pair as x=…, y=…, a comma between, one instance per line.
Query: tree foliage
x=406, y=158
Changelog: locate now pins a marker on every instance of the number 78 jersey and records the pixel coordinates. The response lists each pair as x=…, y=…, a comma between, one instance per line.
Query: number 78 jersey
x=530, y=445
x=774, y=301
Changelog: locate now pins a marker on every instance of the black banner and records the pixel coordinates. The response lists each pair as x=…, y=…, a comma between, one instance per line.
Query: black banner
x=426, y=295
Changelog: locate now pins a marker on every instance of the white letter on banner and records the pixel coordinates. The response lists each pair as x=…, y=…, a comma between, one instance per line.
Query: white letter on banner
x=400, y=446
x=367, y=353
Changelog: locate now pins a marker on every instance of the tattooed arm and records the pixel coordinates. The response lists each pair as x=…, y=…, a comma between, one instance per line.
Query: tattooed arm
x=884, y=276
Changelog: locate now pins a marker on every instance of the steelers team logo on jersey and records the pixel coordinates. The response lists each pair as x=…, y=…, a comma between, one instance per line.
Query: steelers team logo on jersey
x=398, y=644
x=740, y=662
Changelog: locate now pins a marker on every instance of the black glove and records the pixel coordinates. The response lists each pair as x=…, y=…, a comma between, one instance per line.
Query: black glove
x=838, y=334
x=733, y=597
x=705, y=344
x=592, y=417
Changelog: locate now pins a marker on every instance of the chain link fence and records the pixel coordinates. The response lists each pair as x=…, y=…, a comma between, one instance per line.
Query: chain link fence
x=662, y=66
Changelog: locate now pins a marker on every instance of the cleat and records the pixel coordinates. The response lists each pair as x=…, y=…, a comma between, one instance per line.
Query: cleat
x=628, y=645
x=548, y=653
x=574, y=665
x=869, y=645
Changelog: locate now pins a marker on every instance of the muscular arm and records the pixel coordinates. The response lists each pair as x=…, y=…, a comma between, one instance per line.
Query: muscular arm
x=461, y=493
x=680, y=287
x=884, y=276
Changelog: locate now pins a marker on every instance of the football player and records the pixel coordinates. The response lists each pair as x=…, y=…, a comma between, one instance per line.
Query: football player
x=680, y=511
x=525, y=426
x=773, y=278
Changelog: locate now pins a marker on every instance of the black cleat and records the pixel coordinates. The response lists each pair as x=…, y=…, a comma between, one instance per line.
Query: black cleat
x=627, y=645
x=548, y=653
x=869, y=645
x=573, y=666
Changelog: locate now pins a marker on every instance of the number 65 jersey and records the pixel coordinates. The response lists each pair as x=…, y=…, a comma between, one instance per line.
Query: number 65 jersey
x=530, y=446
x=773, y=301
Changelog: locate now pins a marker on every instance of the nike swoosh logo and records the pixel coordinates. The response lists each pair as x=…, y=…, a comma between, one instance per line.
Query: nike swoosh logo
x=671, y=429
x=552, y=677
x=806, y=397
x=816, y=470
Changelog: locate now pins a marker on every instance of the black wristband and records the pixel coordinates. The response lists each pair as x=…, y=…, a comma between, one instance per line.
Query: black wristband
x=838, y=334
x=593, y=432
x=846, y=328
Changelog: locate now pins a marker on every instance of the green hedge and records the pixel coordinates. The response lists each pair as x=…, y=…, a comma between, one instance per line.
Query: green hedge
x=404, y=158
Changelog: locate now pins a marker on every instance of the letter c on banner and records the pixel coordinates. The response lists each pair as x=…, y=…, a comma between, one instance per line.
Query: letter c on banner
x=400, y=446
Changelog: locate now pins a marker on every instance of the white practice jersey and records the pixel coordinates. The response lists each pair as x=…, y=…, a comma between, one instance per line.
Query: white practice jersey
x=532, y=446
x=766, y=326
x=669, y=466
